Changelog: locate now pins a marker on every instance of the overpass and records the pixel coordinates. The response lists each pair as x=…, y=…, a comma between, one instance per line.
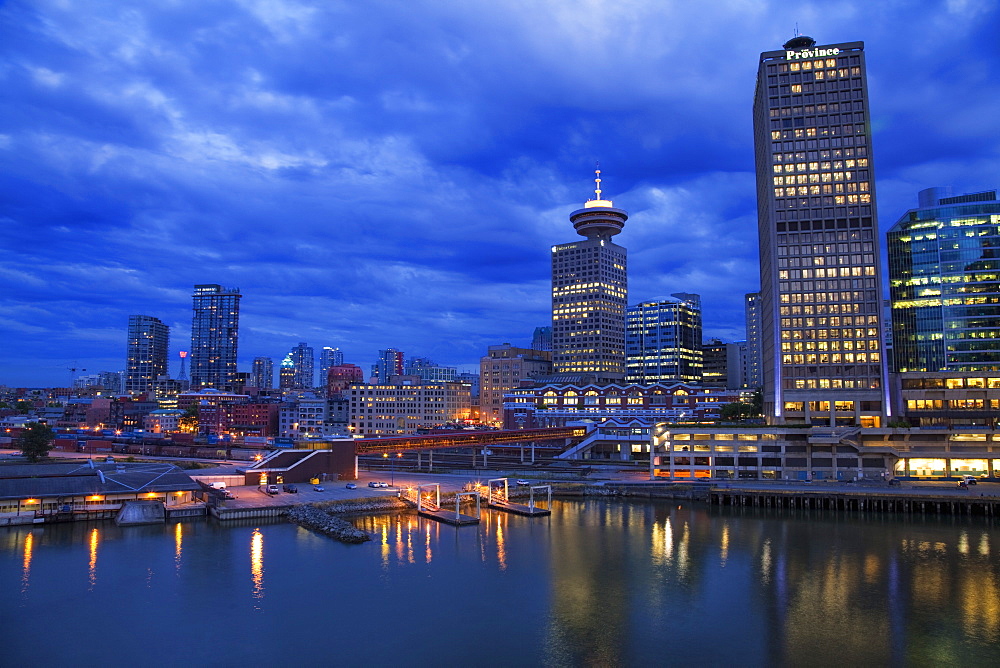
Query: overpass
x=465, y=439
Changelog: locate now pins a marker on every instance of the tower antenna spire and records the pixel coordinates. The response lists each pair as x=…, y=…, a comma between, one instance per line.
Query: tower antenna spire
x=597, y=181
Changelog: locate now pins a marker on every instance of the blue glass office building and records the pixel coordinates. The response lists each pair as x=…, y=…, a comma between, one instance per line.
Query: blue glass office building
x=944, y=281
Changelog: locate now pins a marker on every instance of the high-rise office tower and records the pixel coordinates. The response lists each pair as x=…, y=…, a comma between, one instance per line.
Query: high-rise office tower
x=541, y=339
x=146, y=358
x=753, y=377
x=944, y=279
x=819, y=257
x=663, y=340
x=329, y=357
x=214, y=336
x=262, y=373
x=589, y=294
x=303, y=361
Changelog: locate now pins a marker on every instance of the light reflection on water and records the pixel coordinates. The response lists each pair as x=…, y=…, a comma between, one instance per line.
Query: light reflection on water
x=29, y=548
x=597, y=583
x=257, y=567
x=92, y=565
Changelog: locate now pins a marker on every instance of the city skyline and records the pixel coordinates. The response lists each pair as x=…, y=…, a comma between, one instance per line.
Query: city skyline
x=409, y=195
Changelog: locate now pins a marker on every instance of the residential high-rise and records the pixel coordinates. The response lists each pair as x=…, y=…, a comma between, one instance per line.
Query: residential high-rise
x=329, y=357
x=541, y=339
x=503, y=368
x=589, y=294
x=819, y=256
x=944, y=280
x=663, y=340
x=287, y=373
x=390, y=363
x=214, y=336
x=753, y=378
x=146, y=355
x=303, y=361
x=262, y=373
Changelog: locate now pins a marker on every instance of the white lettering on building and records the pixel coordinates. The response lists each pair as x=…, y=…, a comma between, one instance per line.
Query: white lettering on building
x=811, y=53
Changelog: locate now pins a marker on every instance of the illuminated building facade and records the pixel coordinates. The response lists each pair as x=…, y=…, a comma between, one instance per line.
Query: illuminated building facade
x=403, y=406
x=752, y=377
x=390, y=363
x=303, y=361
x=944, y=281
x=663, y=340
x=590, y=293
x=329, y=357
x=215, y=329
x=503, y=368
x=262, y=373
x=819, y=256
x=146, y=359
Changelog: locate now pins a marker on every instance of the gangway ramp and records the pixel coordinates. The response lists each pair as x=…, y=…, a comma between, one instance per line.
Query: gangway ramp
x=498, y=497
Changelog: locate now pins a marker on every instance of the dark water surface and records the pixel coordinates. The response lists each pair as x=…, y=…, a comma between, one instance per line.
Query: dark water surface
x=599, y=583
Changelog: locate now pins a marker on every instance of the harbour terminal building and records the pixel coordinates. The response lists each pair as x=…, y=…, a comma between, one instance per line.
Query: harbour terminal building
x=954, y=429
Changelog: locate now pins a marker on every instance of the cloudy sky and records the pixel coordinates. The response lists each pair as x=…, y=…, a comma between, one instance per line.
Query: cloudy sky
x=393, y=173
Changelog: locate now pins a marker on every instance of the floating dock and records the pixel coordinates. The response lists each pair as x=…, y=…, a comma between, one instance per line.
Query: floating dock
x=448, y=516
x=519, y=509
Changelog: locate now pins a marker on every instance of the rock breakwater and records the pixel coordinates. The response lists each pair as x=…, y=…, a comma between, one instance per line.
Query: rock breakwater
x=321, y=521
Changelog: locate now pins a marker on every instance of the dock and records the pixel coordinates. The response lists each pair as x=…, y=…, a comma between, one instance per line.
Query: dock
x=519, y=509
x=448, y=516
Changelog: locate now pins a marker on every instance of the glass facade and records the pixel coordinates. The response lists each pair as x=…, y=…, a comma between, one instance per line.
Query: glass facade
x=214, y=336
x=146, y=360
x=944, y=281
x=820, y=291
x=663, y=340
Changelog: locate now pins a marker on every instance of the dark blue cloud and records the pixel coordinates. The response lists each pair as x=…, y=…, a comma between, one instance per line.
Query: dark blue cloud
x=376, y=174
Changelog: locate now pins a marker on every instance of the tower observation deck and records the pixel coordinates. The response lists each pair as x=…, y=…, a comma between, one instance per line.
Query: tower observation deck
x=598, y=219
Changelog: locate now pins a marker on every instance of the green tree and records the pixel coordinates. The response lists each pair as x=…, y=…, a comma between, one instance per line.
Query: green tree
x=188, y=422
x=739, y=411
x=23, y=407
x=35, y=441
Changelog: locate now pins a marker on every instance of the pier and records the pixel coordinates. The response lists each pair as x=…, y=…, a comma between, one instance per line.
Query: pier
x=908, y=501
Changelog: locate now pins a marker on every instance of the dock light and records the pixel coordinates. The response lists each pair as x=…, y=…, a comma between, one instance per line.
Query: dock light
x=95, y=497
x=150, y=494
x=29, y=501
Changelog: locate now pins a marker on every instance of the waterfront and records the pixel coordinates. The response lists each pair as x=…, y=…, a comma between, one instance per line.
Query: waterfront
x=597, y=583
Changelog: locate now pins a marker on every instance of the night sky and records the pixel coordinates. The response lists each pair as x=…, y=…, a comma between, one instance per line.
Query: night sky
x=392, y=174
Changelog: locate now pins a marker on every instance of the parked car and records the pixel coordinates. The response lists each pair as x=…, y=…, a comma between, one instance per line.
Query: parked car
x=226, y=494
x=963, y=484
x=351, y=485
x=291, y=489
x=894, y=482
x=319, y=488
x=523, y=483
x=373, y=484
x=383, y=484
x=272, y=489
x=970, y=480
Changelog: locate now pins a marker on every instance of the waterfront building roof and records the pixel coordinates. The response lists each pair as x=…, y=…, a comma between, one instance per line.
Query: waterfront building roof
x=88, y=478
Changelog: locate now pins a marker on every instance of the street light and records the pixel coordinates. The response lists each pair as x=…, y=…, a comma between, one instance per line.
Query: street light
x=392, y=466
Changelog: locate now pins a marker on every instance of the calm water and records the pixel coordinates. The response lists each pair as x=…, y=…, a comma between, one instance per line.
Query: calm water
x=599, y=583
